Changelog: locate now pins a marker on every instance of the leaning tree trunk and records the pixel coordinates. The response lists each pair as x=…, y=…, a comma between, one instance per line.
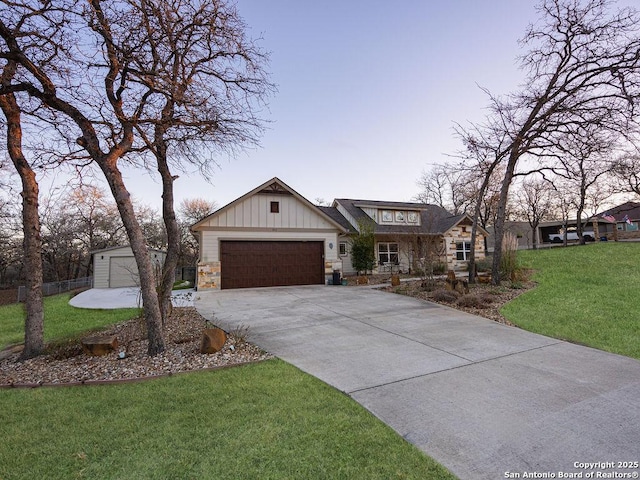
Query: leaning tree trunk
x=32, y=243
x=165, y=285
x=501, y=214
x=151, y=306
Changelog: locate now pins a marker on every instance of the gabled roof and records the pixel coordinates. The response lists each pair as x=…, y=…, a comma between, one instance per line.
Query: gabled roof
x=630, y=209
x=108, y=249
x=434, y=220
x=273, y=186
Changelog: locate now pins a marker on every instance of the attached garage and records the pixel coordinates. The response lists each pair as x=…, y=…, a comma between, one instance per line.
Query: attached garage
x=248, y=264
x=116, y=267
x=271, y=236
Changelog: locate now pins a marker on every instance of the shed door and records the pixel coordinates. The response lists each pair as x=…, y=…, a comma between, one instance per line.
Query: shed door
x=123, y=272
x=247, y=264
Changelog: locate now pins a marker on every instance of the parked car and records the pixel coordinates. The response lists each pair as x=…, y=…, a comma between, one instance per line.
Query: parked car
x=572, y=235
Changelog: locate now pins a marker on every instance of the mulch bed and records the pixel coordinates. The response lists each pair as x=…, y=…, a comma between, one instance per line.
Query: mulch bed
x=483, y=300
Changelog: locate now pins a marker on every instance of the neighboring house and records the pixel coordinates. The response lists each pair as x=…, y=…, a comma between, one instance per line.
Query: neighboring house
x=273, y=236
x=619, y=223
x=116, y=267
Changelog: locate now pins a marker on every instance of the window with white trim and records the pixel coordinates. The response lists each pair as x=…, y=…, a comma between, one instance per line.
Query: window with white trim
x=388, y=253
x=342, y=249
x=463, y=250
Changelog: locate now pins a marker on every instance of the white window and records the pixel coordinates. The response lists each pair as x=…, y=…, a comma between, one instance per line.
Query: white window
x=387, y=216
x=388, y=253
x=463, y=249
x=342, y=249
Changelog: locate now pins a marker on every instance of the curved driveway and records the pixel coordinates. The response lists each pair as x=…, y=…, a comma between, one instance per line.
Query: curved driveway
x=485, y=400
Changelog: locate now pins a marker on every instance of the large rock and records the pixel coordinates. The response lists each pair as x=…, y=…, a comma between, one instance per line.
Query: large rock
x=213, y=339
x=99, y=345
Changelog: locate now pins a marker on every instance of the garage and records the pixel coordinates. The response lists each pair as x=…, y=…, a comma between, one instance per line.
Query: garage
x=123, y=272
x=247, y=264
x=116, y=267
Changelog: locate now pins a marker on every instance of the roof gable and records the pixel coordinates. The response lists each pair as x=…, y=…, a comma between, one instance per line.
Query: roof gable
x=253, y=210
x=434, y=220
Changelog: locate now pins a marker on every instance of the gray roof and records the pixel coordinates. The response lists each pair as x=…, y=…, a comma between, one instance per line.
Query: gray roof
x=338, y=217
x=434, y=220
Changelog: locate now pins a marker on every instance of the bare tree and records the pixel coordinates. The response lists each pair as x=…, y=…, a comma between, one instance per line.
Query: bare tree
x=32, y=242
x=585, y=161
x=106, y=135
x=535, y=204
x=190, y=211
x=446, y=186
x=140, y=80
x=582, y=67
x=627, y=172
x=201, y=78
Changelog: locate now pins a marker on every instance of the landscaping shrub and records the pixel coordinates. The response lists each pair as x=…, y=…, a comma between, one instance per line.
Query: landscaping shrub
x=474, y=301
x=442, y=295
x=484, y=265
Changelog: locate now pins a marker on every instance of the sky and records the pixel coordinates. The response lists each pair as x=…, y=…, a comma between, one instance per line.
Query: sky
x=368, y=93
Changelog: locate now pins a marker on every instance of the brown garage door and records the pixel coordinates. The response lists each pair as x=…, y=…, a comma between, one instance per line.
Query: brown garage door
x=269, y=264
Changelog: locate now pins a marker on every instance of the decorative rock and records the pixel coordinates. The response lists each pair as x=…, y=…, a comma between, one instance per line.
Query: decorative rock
x=99, y=345
x=452, y=283
x=213, y=339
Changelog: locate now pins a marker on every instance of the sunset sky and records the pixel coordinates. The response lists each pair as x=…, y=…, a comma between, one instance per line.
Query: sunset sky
x=368, y=93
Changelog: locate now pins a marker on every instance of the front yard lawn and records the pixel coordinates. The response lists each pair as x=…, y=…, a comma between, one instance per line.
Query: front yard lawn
x=585, y=294
x=267, y=420
x=60, y=320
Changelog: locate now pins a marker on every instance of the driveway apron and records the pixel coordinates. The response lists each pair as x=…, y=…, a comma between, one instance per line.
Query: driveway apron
x=486, y=400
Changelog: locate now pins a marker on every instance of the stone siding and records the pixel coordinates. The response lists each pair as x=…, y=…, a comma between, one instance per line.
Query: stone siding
x=208, y=277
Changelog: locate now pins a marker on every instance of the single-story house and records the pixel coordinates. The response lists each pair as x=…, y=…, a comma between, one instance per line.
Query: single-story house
x=273, y=236
x=619, y=223
x=116, y=267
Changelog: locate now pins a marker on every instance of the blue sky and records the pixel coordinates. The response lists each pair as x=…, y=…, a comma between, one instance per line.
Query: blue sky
x=368, y=92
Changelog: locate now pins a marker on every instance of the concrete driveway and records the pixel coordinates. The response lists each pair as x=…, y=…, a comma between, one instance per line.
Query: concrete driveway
x=484, y=399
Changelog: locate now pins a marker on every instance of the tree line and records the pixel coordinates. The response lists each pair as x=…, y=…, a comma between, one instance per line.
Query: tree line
x=79, y=220
x=161, y=86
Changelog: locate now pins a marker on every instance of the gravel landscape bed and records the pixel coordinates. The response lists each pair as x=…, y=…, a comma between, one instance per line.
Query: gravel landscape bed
x=67, y=364
x=486, y=302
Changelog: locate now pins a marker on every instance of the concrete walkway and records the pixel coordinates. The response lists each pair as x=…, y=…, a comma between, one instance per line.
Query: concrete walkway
x=484, y=399
x=126, y=297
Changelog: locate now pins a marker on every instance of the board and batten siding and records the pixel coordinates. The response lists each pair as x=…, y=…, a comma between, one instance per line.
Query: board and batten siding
x=254, y=212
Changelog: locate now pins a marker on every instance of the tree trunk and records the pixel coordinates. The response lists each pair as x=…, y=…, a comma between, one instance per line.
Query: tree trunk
x=32, y=243
x=173, y=237
x=151, y=306
x=476, y=218
x=501, y=214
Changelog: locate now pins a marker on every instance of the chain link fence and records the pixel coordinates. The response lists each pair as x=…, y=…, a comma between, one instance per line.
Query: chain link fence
x=54, y=288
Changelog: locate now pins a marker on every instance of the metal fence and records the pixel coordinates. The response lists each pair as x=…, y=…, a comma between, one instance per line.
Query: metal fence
x=53, y=288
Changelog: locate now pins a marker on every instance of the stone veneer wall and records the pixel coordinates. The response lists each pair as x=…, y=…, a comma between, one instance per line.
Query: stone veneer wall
x=457, y=234
x=208, y=276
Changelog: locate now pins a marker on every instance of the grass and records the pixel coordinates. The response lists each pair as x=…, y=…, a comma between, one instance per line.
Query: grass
x=585, y=294
x=61, y=321
x=266, y=421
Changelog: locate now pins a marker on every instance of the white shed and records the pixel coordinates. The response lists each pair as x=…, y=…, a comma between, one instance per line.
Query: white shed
x=116, y=267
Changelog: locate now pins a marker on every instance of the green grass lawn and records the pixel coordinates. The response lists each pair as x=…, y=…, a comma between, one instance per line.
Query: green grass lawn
x=585, y=294
x=61, y=321
x=267, y=421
